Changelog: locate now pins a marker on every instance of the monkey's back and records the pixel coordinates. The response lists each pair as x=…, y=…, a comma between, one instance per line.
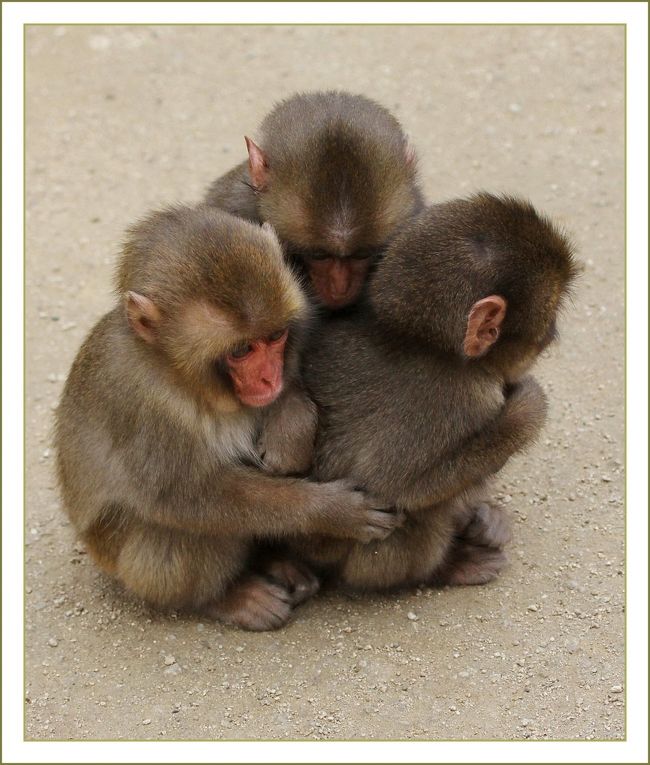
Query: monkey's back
x=388, y=412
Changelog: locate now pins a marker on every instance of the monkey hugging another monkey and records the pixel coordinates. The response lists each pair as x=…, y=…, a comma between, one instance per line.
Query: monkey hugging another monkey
x=207, y=468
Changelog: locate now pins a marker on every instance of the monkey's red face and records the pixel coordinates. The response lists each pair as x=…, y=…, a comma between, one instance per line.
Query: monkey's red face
x=337, y=281
x=256, y=369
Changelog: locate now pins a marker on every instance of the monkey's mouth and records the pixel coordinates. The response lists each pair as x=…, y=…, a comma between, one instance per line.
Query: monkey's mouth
x=259, y=399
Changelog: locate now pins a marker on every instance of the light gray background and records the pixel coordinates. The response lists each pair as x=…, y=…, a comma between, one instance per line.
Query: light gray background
x=121, y=119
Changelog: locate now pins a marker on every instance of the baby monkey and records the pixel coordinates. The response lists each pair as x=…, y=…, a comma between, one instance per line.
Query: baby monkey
x=158, y=422
x=335, y=176
x=422, y=394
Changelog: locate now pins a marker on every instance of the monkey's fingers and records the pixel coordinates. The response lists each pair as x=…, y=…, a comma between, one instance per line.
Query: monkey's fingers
x=379, y=525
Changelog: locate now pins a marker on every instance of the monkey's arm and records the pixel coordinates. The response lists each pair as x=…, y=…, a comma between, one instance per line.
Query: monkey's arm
x=232, y=192
x=483, y=454
x=241, y=501
x=286, y=444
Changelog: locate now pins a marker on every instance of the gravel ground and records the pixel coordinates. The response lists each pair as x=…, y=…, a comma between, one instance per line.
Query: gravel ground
x=121, y=119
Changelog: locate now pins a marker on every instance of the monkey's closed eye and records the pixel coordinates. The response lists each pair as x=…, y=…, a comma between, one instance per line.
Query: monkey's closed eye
x=318, y=255
x=277, y=335
x=241, y=351
x=362, y=254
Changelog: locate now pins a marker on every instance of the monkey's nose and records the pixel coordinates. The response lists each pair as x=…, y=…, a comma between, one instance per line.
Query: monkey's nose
x=340, y=282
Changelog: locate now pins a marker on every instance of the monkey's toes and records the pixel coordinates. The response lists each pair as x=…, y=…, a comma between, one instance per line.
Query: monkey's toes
x=296, y=578
x=255, y=604
x=476, y=565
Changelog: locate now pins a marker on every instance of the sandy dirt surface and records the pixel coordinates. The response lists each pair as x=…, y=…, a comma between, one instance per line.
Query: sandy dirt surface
x=121, y=119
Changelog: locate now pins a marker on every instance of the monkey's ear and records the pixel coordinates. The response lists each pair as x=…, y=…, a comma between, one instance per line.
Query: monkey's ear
x=410, y=155
x=483, y=325
x=258, y=165
x=143, y=316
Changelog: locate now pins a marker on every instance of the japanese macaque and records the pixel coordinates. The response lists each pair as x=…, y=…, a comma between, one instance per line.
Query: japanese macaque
x=336, y=177
x=159, y=417
x=422, y=393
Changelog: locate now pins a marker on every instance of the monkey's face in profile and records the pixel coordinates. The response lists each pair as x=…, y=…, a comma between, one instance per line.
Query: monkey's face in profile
x=256, y=369
x=337, y=214
x=212, y=298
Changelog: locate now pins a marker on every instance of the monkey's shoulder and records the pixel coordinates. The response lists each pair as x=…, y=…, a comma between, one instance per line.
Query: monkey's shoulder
x=232, y=192
x=115, y=385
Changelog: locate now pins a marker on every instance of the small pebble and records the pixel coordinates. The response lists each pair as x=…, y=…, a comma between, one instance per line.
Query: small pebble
x=53, y=642
x=572, y=645
x=169, y=660
x=616, y=689
x=146, y=722
x=411, y=616
x=533, y=607
x=515, y=108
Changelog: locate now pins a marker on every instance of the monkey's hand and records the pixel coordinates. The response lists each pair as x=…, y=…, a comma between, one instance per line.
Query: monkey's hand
x=524, y=412
x=356, y=515
x=286, y=443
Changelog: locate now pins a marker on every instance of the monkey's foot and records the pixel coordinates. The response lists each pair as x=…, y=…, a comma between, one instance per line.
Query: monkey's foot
x=489, y=527
x=473, y=564
x=296, y=578
x=255, y=604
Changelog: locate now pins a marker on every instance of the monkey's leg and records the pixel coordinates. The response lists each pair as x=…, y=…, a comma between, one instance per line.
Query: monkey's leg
x=448, y=544
x=410, y=555
x=477, y=556
x=172, y=569
x=488, y=526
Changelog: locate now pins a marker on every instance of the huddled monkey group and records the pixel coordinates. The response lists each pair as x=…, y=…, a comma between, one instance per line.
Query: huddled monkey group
x=310, y=375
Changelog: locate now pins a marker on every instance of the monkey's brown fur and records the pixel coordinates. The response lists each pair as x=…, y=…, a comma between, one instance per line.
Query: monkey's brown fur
x=341, y=177
x=406, y=415
x=155, y=453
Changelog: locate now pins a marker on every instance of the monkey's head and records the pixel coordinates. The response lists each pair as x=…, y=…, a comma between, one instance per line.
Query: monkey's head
x=483, y=278
x=336, y=177
x=211, y=296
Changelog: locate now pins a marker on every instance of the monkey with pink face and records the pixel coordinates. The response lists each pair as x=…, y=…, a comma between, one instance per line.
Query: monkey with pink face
x=335, y=175
x=157, y=427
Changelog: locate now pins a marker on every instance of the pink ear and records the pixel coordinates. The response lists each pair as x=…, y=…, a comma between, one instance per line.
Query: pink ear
x=258, y=165
x=483, y=325
x=143, y=316
x=410, y=154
